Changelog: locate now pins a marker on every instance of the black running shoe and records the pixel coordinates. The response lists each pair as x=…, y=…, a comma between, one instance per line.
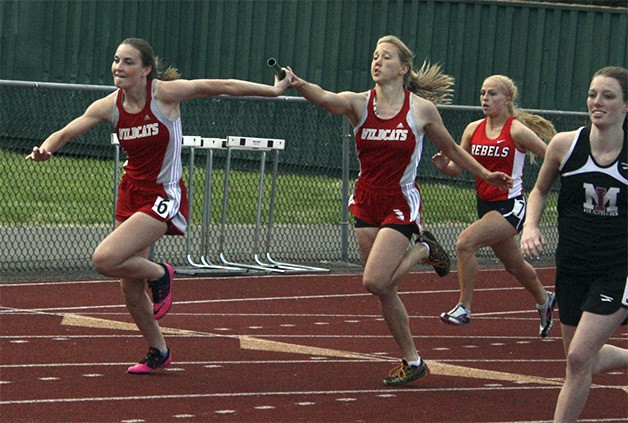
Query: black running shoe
x=438, y=258
x=405, y=373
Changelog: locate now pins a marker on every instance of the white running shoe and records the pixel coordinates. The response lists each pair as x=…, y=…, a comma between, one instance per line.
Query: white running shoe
x=457, y=316
x=546, y=312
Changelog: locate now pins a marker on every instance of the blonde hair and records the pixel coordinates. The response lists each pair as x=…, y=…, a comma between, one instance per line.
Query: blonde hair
x=429, y=81
x=539, y=125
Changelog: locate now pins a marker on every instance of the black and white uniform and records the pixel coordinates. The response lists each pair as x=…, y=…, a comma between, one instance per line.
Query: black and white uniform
x=592, y=252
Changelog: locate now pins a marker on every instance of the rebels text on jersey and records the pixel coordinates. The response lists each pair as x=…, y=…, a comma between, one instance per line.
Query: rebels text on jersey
x=490, y=150
x=498, y=154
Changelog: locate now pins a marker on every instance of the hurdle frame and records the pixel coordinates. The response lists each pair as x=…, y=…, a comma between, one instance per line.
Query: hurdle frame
x=263, y=146
x=205, y=266
x=227, y=267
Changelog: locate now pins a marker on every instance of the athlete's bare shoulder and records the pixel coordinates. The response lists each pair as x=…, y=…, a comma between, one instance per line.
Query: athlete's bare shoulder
x=559, y=147
x=102, y=108
x=425, y=111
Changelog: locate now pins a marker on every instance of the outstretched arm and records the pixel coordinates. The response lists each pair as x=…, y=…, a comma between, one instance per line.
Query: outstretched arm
x=346, y=103
x=98, y=111
x=183, y=89
x=438, y=134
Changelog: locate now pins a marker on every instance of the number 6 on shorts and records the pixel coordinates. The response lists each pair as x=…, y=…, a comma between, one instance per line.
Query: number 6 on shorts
x=162, y=206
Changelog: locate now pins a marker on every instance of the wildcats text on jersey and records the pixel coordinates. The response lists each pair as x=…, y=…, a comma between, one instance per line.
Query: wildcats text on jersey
x=138, y=131
x=372, y=134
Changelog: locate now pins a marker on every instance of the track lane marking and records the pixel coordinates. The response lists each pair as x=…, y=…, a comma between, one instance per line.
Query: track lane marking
x=267, y=394
x=252, y=343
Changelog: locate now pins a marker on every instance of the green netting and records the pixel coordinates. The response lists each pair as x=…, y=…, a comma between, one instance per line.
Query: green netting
x=53, y=214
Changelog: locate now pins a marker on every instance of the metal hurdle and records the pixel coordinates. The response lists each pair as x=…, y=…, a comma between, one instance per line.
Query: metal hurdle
x=269, y=234
x=263, y=146
x=205, y=265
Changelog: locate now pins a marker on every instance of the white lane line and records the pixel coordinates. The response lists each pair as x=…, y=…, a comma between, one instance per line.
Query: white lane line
x=317, y=360
x=357, y=273
x=10, y=310
x=405, y=390
x=512, y=338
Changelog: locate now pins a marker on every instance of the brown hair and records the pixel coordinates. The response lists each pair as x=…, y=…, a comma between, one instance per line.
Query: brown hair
x=620, y=75
x=150, y=59
x=429, y=81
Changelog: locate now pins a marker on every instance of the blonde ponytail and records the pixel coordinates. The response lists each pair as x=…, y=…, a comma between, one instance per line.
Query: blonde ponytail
x=539, y=125
x=170, y=74
x=431, y=83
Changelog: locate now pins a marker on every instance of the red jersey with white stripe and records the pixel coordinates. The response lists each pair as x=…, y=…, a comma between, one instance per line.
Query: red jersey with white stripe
x=389, y=151
x=498, y=155
x=151, y=140
x=153, y=143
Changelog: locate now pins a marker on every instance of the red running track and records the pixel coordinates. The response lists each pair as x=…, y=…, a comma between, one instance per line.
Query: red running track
x=295, y=348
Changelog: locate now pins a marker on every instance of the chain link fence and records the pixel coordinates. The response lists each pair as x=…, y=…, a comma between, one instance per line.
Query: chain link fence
x=53, y=214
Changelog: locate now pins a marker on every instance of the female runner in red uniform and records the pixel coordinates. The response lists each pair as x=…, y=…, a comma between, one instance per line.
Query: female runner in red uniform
x=145, y=113
x=500, y=141
x=389, y=123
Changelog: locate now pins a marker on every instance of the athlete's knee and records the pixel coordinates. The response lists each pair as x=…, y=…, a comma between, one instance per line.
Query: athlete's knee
x=464, y=247
x=104, y=261
x=579, y=362
x=375, y=286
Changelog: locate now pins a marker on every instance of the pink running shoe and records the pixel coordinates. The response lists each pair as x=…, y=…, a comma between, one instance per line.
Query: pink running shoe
x=162, y=292
x=153, y=361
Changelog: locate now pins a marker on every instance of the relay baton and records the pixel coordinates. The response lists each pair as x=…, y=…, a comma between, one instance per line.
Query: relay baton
x=281, y=74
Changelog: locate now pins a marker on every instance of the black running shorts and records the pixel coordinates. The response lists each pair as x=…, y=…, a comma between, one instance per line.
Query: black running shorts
x=513, y=210
x=596, y=293
x=405, y=230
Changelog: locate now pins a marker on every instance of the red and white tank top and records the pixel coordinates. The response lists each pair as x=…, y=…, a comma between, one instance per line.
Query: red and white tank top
x=152, y=142
x=389, y=150
x=498, y=155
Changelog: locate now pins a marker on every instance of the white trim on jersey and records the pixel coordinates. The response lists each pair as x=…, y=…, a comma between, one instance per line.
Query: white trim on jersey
x=571, y=148
x=518, y=161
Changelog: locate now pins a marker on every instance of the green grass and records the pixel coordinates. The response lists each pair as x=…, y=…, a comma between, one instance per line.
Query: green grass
x=62, y=190
x=79, y=191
